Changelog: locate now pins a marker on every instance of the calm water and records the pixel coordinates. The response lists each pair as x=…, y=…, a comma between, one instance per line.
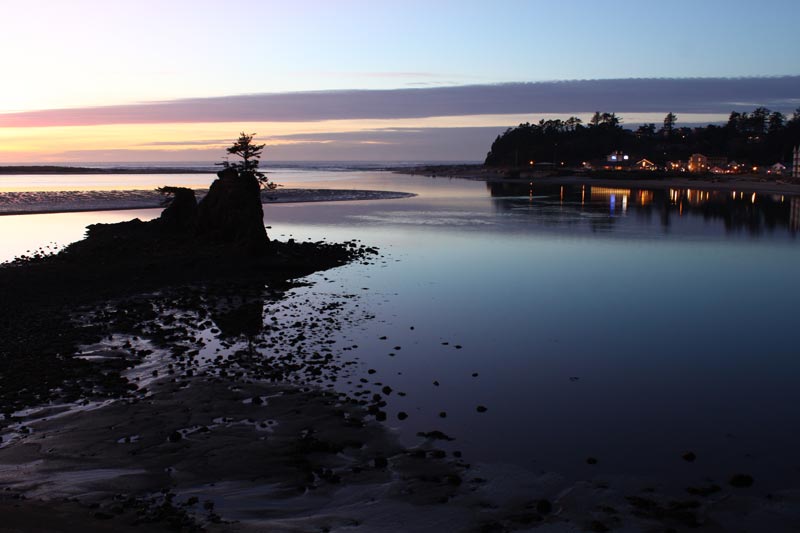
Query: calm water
x=625, y=325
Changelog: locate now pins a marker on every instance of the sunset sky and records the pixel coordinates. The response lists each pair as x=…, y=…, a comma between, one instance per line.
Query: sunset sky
x=409, y=80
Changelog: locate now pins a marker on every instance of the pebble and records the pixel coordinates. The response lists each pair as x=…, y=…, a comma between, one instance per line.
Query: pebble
x=544, y=507
x=741, y=480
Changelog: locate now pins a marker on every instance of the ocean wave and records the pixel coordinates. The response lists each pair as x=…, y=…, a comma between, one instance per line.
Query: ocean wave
x=25, y=202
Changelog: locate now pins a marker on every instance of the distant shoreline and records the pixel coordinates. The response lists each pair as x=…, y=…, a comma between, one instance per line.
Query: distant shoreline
x=51, y=169
x=727, y=183
x=36, y=203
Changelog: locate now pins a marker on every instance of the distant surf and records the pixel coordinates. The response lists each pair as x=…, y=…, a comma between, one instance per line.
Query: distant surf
x=30, y=202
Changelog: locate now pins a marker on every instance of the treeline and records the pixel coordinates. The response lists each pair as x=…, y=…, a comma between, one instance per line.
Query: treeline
x=762, y=137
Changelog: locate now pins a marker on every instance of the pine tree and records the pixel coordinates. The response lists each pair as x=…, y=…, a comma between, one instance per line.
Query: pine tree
x=251, y=157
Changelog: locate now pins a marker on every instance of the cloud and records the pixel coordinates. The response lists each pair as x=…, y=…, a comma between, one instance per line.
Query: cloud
x=390, y=144
x=694, y=95
x=194, y=142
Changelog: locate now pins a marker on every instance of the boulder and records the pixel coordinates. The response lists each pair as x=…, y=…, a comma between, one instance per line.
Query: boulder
x=181, y=213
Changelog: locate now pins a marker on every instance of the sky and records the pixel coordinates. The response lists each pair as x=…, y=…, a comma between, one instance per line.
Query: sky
x=90, y=80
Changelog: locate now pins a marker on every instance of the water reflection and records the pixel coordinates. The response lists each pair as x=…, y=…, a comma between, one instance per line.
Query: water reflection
x=600, y=207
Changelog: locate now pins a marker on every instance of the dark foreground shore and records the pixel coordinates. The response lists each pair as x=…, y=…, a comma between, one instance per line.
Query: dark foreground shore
x=152, y=383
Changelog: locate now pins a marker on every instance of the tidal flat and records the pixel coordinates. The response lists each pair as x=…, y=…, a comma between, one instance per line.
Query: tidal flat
x=633, y=358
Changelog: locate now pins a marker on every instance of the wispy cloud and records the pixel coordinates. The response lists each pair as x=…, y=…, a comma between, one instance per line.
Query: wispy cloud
x=695, y=95
x=193, y=142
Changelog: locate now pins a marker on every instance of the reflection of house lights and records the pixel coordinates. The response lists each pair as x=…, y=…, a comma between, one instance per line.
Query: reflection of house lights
x=753, y=199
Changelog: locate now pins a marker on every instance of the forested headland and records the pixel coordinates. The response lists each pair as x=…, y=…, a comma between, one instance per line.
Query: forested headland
x=760, y=137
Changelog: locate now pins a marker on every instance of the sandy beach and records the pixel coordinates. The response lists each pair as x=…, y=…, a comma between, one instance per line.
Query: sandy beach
x=29, y=202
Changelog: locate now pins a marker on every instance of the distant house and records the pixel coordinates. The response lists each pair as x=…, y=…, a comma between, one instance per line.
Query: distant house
x=796, y=162
x=698, y=163
x=703, y=163
x=617, y=157
x=777, y=168
x=617, y=161
x=646, y=164
x=717, y=170
x=717, y=161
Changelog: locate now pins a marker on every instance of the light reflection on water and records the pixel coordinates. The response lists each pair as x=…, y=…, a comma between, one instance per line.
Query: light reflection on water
x=675, y=311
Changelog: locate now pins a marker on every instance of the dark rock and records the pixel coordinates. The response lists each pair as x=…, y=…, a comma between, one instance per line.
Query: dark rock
x=435, y=435
x=481, y=409
x=689, y=456
x=741, y=481
x=231, y=212
x=544, y=507
x=591, y=461
x=181, y=213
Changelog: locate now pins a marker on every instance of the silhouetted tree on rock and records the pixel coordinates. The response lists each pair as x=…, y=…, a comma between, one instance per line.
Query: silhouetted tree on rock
x=231, y=212
x=251, y=157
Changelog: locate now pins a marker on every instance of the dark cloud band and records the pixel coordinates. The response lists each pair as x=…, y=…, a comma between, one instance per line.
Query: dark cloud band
x=691, y=95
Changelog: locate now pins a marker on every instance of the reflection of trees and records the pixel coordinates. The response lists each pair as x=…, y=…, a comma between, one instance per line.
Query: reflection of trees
x=561, y=208
x=743, y=214
x=568, y=205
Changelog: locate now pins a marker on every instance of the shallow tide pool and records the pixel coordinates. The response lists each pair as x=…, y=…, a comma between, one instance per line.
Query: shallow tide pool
x=623, y=325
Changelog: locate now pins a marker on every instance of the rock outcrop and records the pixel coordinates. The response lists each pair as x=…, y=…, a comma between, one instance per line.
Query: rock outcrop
x=181, y=213
x=231, y=213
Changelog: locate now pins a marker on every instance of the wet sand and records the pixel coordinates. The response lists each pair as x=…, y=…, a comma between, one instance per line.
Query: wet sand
x=212, y=404
x=31, y=202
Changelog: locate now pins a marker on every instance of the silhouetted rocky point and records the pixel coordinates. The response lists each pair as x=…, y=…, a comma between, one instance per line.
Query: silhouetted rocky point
x=218, y=245
x=221, y=238
x=231, y=212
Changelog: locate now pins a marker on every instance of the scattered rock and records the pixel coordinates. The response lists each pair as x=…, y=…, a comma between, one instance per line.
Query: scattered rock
x=741, y=481
x=544, y=507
